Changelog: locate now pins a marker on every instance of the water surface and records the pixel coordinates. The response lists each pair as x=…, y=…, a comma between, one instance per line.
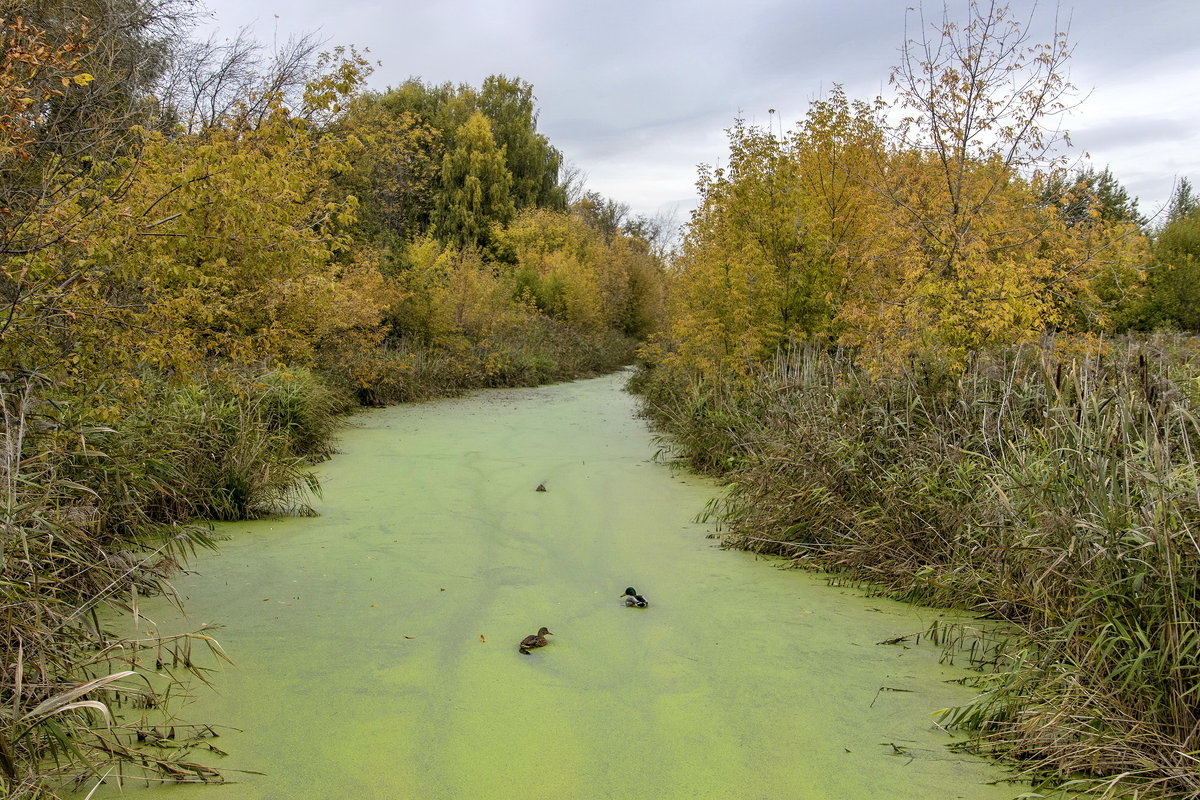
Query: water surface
x=375, y=645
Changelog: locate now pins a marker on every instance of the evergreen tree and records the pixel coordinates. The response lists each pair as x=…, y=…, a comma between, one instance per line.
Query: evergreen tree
x=1183, y=202
x=1088, y=196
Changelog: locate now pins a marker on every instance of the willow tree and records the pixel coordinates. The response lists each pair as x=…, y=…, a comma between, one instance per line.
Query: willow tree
x=476, y=186
x=533, y=162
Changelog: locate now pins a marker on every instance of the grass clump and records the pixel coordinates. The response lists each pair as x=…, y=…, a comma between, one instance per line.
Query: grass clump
x=97, y=515
x=1054, y=489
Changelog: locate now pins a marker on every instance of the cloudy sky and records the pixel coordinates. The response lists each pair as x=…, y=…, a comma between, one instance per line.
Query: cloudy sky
x=637, y=94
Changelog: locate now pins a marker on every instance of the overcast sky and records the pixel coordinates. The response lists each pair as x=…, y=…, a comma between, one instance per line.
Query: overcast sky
x=637, y=94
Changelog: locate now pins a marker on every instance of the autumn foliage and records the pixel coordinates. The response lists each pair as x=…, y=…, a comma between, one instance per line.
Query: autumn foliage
x=923, y=224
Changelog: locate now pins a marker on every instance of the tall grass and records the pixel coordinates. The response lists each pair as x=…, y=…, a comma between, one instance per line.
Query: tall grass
x=94, y=517
x=1056, y=491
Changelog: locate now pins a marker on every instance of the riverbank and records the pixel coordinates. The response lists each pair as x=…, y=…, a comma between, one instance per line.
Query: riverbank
x=1054, y=490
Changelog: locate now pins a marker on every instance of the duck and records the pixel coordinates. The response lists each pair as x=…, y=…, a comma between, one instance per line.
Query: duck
x=633, y=599
x=534, y=640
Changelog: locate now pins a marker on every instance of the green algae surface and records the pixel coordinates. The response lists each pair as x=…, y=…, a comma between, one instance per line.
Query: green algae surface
x=376, y=645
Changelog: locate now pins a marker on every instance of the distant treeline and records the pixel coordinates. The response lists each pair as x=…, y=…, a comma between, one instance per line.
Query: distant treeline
x=208, y=251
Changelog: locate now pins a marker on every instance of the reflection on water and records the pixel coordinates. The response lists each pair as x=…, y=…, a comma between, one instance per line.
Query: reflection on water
x=376, y=645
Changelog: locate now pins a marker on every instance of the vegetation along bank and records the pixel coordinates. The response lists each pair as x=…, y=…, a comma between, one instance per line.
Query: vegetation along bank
x=916, y=345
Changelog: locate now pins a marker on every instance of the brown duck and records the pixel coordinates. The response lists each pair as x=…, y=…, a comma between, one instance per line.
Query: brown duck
x=534, y=640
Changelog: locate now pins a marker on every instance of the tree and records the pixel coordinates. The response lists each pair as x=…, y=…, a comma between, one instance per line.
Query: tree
x=1183, y=201
x=602, y=214
x=1104, y=223
x=941, y=228
x=534, y=164
x=656, y=230
x=779, y=242
x=508, y=106
x=397, y=175
x=982, y=93
x=1086, y=196
x=215, y=81
x=444, y=107
x=69, y=99
x=561, y=267
x=970, y=256
x=476, y=186
x=75, y=81
x=1173, y=291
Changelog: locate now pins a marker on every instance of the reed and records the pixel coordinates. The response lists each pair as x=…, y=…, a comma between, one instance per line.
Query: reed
x=96, y=516
x=1054, y=489
x=527, y=351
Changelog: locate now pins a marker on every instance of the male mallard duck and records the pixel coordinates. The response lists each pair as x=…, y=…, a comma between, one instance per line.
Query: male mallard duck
x=534, y=640
x=633, y=599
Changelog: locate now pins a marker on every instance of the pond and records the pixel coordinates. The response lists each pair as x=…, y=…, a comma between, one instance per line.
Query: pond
x=375, y=646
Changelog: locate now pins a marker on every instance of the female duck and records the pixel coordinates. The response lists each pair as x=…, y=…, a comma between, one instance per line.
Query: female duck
x=633, y=599
x=534, y=640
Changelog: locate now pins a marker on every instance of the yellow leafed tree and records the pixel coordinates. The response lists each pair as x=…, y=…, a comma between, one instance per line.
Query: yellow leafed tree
x=928, y=231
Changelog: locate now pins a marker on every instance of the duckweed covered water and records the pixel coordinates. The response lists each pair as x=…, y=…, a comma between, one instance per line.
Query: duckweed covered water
x=376, y=645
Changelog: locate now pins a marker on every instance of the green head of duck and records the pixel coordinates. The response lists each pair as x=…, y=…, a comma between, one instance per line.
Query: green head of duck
x=633, y=599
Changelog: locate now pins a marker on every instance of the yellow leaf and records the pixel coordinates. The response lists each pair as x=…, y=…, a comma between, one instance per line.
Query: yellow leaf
x=82, y=79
